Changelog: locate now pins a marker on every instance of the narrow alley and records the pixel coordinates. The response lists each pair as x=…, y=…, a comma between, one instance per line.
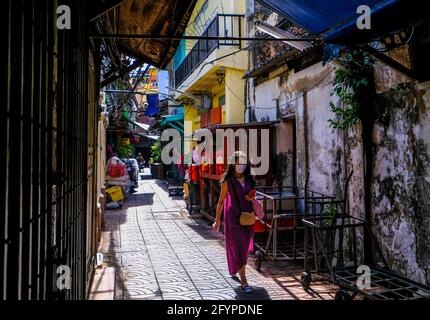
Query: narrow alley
x=151, y=150
x=159, y=252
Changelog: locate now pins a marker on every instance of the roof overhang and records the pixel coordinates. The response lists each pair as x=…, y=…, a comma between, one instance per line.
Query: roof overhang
x=336, y=20
x=174, y=121
x=142, y=126
x=146, y=17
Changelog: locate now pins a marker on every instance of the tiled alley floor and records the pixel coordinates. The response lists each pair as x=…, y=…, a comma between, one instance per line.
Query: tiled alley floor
x=160, y=253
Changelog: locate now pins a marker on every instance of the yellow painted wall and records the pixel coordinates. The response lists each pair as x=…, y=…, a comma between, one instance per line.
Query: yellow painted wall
x=197, y=26
x=234, y=97
x=192, y=114
x=217, y=91
x=234, y=66
x=233, y=89
x=191, y=124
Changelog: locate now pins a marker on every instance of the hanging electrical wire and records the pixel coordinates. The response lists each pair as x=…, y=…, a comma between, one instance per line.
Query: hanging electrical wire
x=288, y=102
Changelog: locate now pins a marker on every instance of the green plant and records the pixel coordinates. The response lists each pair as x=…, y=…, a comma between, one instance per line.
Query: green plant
x=330, y=211
x=125, y=151
x=350, y=85
x=155, y=153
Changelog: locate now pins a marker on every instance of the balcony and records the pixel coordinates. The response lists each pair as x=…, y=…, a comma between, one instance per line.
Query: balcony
x=223, y=25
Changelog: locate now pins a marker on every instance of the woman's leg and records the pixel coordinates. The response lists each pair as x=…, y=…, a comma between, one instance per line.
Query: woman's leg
x=242, y=274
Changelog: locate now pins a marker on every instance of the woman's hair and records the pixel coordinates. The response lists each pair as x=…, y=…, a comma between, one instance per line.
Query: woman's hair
x=229, y=173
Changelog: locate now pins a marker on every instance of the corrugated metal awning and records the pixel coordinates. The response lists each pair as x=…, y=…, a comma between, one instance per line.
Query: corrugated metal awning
x=336, y=20
x=142, y=126
x=147, y=17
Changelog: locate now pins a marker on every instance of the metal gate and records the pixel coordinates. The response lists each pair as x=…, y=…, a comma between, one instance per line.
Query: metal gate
x=44, y=130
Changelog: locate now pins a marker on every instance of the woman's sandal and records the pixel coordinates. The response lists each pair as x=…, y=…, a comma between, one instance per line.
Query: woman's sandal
x=247, y=289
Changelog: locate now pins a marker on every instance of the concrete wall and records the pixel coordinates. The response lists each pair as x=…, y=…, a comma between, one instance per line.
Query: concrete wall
x=234, y=96
x=401, y=137
x=263, y=99
x=401, y=185
x=400, y=203
x=285, y=153
x=319, y=148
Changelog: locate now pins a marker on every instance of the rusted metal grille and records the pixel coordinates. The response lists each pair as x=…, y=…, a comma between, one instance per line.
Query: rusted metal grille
x=43, y=151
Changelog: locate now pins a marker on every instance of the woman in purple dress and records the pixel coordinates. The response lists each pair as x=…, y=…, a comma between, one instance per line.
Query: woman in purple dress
x=237, y=193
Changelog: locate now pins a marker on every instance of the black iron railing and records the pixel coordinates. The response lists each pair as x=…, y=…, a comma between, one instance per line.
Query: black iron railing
x=223, y=25
x=48, y=126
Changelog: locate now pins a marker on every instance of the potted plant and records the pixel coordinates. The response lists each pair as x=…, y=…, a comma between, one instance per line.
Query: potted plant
x=155, y=161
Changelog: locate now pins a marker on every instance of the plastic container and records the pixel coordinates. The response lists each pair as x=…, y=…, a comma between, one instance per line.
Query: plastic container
x=219, y=169
x=115, y=194
x=205, y=168
x=193, y=172
x=157, y=171
x=259, y=227
x=282, y=223
x=116, y=170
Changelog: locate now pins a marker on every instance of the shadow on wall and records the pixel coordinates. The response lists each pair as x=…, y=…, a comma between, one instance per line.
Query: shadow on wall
x=401, y=205
x=284, y=172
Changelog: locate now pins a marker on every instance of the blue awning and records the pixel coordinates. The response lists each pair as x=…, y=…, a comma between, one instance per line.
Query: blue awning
x=152, y=108
x=336, y=20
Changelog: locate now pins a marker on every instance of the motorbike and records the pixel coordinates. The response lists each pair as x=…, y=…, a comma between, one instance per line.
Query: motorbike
x=141, y=166
x=131, y=170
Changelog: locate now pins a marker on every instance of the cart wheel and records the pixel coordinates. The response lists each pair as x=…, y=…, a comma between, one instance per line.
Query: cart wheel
x=342, y=295
x=306, y=280
x=259, y=256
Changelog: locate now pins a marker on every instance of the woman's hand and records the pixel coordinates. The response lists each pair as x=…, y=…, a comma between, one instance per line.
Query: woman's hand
x=216, y=226
x=251, y=195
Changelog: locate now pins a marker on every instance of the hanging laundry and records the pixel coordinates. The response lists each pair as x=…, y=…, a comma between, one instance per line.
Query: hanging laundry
x=152, y=108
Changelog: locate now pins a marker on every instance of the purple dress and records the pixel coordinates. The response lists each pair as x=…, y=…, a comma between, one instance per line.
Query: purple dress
x=238, y=239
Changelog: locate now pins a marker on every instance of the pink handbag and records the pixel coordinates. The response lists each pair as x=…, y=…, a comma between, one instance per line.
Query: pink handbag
x=258, y=209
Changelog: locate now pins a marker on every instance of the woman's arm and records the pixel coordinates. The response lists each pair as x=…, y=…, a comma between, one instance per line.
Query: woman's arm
x=222, y=196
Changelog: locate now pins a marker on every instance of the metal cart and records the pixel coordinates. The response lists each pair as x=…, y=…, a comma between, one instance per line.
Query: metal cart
x=278, y=236
x=332, y=248
x=175, y=184
x=192, y=196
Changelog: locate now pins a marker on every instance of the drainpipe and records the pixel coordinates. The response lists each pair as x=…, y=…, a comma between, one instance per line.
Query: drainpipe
x=246, y=101
x=278, y=109
x=367, y=119
x=306, y=142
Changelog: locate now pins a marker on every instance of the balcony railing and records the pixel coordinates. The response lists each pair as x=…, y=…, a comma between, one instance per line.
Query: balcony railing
x=223, y=25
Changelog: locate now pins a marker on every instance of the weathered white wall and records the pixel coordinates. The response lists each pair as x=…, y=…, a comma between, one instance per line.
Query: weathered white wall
x=263, y=99
x=401, y=177
x=285, y=153
x=324, y=145
x=401, y=185
x=401, y=138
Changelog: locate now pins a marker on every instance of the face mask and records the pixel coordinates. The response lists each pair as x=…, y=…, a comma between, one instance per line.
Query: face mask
x=240, y=168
